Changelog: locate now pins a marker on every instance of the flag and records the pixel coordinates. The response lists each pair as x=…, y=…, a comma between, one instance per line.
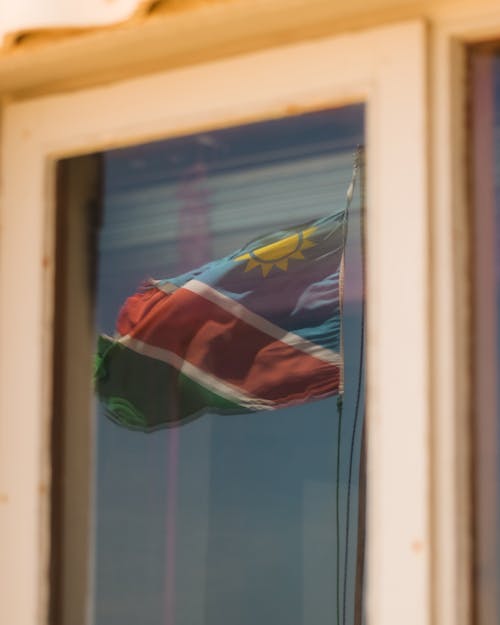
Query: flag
x=259, y=329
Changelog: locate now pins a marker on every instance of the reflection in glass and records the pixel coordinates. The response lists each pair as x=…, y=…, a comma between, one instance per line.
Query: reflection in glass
x=231, y=518
x=257, y=330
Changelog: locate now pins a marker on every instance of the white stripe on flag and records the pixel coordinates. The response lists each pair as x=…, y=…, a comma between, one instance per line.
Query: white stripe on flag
x=252, y=319
x=214, y=384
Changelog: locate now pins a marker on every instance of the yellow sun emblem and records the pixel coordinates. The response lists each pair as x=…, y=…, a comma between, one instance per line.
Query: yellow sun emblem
x=279, y=253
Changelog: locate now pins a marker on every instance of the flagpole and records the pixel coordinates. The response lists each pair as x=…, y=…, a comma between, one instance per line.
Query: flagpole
x=340, y=401
x=358, y=169
x=360, y=556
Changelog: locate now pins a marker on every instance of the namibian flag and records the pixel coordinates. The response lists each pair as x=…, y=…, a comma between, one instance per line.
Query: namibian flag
x=257, y=330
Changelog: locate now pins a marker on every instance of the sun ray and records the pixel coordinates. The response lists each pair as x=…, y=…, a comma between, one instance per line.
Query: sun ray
x=306, y=244
x=266, y=268
x=251, y=264
x=282, y=264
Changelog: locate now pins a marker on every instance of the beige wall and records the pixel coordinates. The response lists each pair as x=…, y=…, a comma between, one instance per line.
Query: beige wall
x=153, y=36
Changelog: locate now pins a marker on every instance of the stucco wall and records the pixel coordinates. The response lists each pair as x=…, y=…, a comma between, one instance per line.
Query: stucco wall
x=56, y=46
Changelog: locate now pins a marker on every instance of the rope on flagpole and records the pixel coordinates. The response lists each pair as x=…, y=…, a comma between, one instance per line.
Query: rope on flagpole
x=337, y=498
x=359, y=167
x=340, y=397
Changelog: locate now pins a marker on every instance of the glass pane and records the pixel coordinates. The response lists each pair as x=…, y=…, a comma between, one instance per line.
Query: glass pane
x=248, y=507
x=485, y=146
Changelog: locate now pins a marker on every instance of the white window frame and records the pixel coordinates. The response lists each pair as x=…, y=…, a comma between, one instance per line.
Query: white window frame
x=385, y=67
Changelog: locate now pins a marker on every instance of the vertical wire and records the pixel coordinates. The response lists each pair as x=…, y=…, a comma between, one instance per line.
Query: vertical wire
x=339, y=434
x=360, y=164
x=340, y=398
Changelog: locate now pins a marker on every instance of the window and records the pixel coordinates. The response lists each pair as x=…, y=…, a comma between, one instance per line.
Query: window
x=235, y=516
x=42, y=131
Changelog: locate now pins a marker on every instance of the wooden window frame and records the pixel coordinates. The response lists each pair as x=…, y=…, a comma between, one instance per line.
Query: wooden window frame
x=384, y=67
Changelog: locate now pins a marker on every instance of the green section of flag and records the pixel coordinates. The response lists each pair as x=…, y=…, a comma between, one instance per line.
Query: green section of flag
x=143, y=393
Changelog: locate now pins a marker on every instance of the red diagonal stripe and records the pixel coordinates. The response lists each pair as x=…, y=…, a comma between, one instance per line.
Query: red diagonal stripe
x=223, y=345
